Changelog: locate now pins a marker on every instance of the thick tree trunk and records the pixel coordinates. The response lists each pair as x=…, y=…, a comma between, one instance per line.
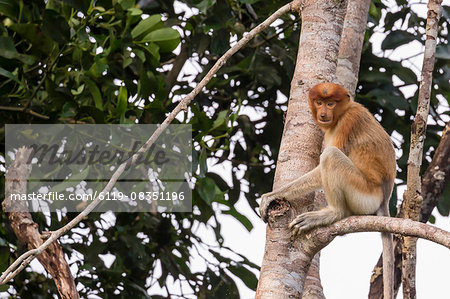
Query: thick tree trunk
x=27, y=231
x=284, y=268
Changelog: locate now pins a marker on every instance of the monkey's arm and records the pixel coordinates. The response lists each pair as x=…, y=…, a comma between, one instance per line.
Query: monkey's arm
x=305, y=184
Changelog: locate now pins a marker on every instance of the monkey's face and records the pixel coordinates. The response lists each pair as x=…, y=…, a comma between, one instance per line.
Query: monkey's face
x=324, y=112
x=327, y=102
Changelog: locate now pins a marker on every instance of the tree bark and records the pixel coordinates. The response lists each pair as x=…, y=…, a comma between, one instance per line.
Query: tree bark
x=351, y=44
x=284, y=269
x=412, y=194
x=27, y=231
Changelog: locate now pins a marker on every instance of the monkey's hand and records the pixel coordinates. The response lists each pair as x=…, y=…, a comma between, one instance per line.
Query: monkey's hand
x=301, y=223
x=309, y=220
x=266, y=200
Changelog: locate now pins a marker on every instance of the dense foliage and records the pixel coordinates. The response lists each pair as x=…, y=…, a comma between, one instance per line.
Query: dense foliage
x=121, y=61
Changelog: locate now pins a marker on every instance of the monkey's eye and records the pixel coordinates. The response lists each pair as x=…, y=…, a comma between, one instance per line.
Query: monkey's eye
x=318, y=103
x=331, y=104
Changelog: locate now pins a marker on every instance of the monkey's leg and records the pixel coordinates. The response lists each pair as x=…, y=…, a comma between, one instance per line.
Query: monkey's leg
x=345, y=190
x=303, y=185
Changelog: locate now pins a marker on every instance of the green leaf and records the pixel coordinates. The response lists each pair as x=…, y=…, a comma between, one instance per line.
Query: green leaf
x=396, y=39
x=444, y=204
x=443, y=51
x=153, y=49
x=144, y=85
x=9, y=75
x=5, y=287
x=95, y=92
x=122, y=101
x=145, y=26
x=77, y=91
x=221, y=120
x=240, y=217
x=247, y=276
x=202, y=162
x=8, y=51
x=204, y=5
x=98, y=67
x=206, y=189
x=135, y=12
x=126, y=4
x=7, y=48
x=55, y=26
x=9, y=8
x=166, y=38
x=406, y=75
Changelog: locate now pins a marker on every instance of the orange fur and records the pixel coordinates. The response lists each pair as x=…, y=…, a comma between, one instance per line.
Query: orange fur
x=357, y=134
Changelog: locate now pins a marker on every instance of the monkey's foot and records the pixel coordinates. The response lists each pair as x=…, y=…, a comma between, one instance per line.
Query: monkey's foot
x=266, y=200
x=306, y=222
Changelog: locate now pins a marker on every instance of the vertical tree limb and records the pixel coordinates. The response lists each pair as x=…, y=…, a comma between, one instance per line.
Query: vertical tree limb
x=351, y=43
x=27, y=231
x=412, y=196
x=283, y=271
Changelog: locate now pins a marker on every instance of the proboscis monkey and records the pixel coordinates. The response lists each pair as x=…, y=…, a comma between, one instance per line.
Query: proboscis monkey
x=356, y=171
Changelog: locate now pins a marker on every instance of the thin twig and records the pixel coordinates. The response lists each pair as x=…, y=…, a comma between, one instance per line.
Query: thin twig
x=47, y=70
x=25, y=258
x=24, y=110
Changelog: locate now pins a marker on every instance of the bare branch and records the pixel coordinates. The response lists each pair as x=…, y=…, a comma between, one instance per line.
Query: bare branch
x=24, y=110
x=350, y=47
x=405, y=227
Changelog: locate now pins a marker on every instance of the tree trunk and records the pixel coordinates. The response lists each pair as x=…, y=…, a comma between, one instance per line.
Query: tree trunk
x=27, y=231
x=284, y=268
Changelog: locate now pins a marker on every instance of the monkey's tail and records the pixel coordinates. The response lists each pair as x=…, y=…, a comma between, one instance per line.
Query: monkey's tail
x=388, y=257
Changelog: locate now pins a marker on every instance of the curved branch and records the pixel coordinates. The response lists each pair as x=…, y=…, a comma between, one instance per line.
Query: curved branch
x=24, y=259
x=405, y=227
